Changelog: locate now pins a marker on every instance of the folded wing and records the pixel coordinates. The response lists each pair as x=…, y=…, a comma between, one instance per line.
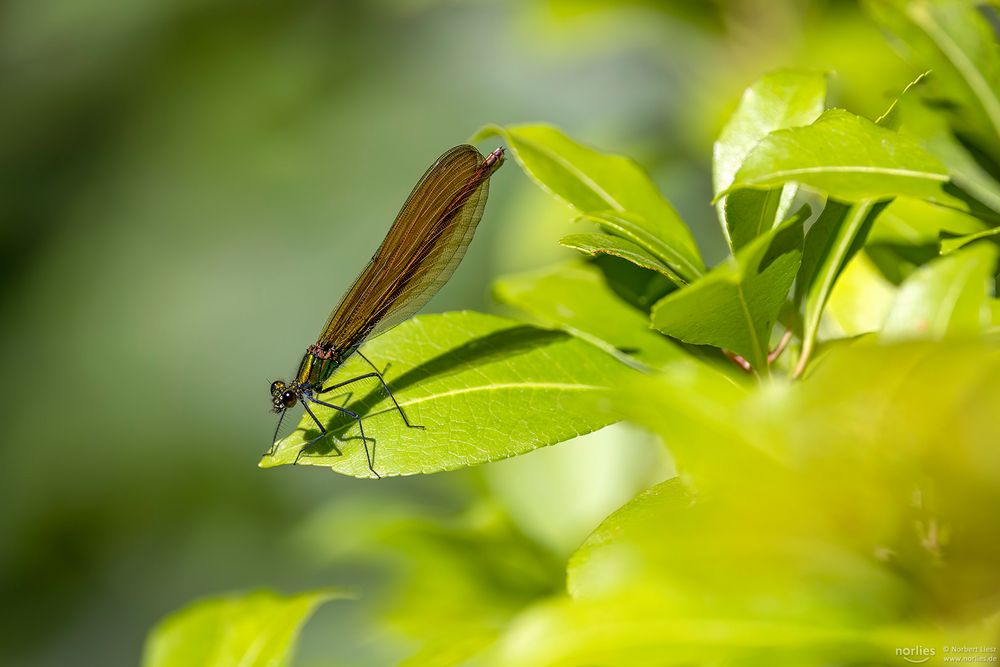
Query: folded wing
x=421, y=251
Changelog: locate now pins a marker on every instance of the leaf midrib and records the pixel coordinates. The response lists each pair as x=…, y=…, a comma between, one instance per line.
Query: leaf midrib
x=759, y=355
x=847, y=169
x=535, y=386
x=561, y=386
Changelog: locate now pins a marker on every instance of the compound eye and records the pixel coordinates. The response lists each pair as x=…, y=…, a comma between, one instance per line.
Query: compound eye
x=288, y=398
x=277, y=387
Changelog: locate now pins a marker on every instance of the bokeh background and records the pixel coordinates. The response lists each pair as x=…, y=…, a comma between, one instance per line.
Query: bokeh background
x=187, y=187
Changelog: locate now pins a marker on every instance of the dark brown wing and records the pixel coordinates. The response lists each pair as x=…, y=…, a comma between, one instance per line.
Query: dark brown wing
x=421, y=251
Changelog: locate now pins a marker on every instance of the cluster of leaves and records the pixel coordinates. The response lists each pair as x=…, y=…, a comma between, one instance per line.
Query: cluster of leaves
x=828, y=392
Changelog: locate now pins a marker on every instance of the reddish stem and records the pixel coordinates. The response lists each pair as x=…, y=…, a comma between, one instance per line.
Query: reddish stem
x=739, y=361
x=782, y=344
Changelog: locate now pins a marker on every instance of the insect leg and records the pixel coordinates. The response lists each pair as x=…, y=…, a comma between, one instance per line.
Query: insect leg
x=388, y=391
x=356, y=417
x=374, y=368
x=274, y=438
x=322, y=434
x=386, y=387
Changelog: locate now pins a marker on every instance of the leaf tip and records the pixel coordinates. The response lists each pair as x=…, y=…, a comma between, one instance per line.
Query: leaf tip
x=267, y=461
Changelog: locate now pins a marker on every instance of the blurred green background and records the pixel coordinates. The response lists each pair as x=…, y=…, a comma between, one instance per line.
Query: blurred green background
x=180, y=180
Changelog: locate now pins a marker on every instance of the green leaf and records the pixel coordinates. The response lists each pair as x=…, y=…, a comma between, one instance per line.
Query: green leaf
x=834, y=238
x=947, y=297
x=846, y=157
x=750, y=213
x=955, y=40
x=636, y=523
x=634, y=228
x=595, y=183
x=251, y=630
x=576, y=297
x=604, y=244
x=778, y=100
x=952, y=244
x=735, y=306
x=483, y=387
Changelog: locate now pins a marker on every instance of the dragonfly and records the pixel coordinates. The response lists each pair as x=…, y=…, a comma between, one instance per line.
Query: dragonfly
x=421, y=251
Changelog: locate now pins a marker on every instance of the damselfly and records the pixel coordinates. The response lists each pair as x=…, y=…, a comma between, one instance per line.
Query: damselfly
x=419, y=254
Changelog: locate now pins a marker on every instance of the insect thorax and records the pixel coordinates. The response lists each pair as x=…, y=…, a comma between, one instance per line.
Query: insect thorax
x=317, y=366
